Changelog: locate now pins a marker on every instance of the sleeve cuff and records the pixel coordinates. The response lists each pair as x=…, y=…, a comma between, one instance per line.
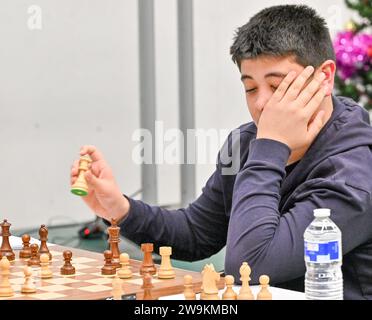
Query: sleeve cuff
x=129, y=222
x=268, y=150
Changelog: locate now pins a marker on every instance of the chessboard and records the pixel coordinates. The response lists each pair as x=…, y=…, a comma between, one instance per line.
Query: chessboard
x=88, y=283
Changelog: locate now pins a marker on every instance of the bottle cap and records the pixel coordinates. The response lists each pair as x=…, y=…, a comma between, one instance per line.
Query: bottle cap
x=322, y=213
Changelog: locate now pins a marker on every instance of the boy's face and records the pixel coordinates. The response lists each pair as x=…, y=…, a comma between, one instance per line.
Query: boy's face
x=261, y=77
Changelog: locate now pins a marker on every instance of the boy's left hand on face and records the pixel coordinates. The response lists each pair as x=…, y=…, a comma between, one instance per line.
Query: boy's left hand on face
x=287, y=115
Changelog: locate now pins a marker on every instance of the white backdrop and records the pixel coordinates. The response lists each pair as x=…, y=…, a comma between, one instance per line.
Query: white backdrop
x=75, y=81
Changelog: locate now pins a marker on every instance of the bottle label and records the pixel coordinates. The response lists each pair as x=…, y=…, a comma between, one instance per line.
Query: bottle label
x=323, y=252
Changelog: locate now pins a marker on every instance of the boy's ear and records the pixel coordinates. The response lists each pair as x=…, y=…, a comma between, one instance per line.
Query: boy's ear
x=329, y=68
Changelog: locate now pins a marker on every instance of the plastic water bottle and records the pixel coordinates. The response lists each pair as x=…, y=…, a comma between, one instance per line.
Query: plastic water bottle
x=323, y=258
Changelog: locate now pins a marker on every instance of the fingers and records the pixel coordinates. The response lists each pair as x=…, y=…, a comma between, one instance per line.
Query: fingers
x=311, y=89
x=74, y=171
x=283, y=86
x=316, y=125
x=94, y=153
x=95, y=167
x=315, y=102
x=99, y=163
x=299, y=83
x=75, y=168
x=91, y=179
x=72, y=180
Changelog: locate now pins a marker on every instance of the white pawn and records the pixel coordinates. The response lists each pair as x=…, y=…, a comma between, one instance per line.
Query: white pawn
x=6, y=289
x=229, y=293
x=28, y=286
x=124, y=272
x=189, y=291
x=45, y=272
x=117, y=289
x=264, y=293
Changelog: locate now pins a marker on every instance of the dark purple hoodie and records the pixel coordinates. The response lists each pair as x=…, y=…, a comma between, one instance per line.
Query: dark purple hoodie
x=260, y=214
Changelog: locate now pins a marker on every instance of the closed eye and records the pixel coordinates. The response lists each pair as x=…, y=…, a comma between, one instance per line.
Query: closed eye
x=254, y=89
x=250, y=90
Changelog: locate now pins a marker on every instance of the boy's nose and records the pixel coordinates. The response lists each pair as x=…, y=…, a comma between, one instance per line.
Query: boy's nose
x=261, y=101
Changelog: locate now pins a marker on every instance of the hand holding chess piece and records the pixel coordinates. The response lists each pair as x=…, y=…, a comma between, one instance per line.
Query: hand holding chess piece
x=104, y=196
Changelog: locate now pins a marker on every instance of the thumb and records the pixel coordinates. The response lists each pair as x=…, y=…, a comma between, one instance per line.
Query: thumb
x=316, y=125
x=91, y=179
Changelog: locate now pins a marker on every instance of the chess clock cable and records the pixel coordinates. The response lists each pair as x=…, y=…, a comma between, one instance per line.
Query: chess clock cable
x=92, y=230
x=97, y=229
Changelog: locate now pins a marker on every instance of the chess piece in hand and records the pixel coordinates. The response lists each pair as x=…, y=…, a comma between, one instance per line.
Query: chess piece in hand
x=104, y=196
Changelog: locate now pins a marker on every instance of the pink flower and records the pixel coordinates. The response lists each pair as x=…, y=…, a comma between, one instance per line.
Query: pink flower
x=353, y=53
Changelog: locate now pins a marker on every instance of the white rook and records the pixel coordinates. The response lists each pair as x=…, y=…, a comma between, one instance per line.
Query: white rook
x=166, y=270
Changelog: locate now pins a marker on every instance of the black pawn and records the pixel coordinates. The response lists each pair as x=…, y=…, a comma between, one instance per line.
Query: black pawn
x=25, y=253
x=35, y=259
x=108, y=269
x=67, y=268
